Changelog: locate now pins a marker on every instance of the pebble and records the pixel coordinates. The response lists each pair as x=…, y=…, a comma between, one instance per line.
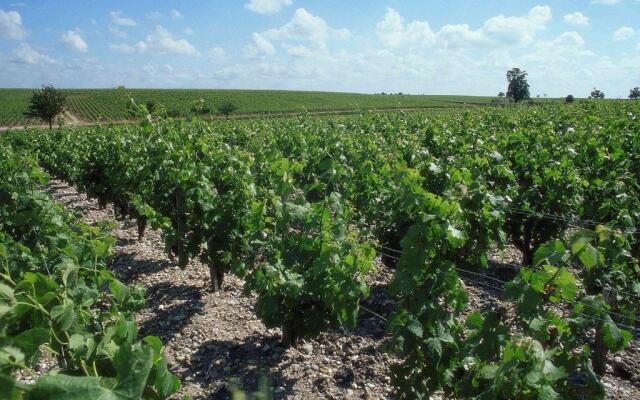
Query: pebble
x=307, y=348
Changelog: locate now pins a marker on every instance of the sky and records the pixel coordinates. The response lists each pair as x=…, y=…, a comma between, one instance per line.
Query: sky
x=369, y=46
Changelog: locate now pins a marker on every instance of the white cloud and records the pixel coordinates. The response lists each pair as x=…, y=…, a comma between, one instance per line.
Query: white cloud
x=576, y=18
x=299, y=51
x=217, y=55
x=569, y=44
x=26, y=54
x=460, y=35
x=259, y=46
x=189, y=31
x=267, y=6
x=517, y=30
x=158, y=41
x=116, y=32
x=74, y=41
x=123, y=48
x=496, y=31
x=393, y=32
x=175, y=14
x=11, y=25
x=306, y=27
x=623, y=34
x=119, y=19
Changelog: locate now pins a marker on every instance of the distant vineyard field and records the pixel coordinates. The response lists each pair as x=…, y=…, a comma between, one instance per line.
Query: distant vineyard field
x=110, y=104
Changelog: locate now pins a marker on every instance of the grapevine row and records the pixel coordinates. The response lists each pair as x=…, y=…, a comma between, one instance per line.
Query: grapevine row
x=57, y=297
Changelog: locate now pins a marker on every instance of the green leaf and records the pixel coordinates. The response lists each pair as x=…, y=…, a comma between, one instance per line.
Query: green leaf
x=7, y=299
x=588, y=256
x=546, y=392
x=552, y=251
x=76, y=341
x=474, y=320
x=70, y=270
x=455, y=236
x=615, y=338
x=64, y=387
x=155, y=343
x=553, y=373
x=133, y=368
x=489, y=371
x=10, y=357
x=11, y=389
x=578, y=244
x=29, y=341
x=414, y=326
x=64, y=315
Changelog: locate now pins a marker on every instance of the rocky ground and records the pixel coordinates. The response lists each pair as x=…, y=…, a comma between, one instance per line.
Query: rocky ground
x=213, y=339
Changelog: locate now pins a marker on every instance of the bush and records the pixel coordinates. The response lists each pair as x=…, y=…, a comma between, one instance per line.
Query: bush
x=46, y=104
x=569, y=99
x=200, y=107
x=175, y=114
x=227, y=108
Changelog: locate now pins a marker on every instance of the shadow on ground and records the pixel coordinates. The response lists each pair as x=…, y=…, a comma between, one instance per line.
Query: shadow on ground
x=128, y=267
x=167, y=321
x=218, y=364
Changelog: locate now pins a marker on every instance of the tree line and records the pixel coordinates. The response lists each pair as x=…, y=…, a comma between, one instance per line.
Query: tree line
x=48, y=102
x=518, y=88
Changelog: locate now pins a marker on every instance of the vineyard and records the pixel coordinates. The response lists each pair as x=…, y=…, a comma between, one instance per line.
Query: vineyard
x=91, y=105
x=305, y=211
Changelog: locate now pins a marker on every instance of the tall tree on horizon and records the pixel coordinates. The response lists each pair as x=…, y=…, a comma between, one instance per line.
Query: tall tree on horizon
x=46, y=104
x=518, y=88
x=596, y=94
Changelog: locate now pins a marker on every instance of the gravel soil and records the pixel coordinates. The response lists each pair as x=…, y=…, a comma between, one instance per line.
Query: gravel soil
x=213, y=339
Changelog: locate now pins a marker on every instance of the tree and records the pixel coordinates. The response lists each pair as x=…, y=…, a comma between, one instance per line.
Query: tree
x=46, y=103
x=569, y=99
x=634, y=94
x=501, y=94
x=596, y=94
x=200, y=107
x=518, y=88
x=156, y=109
x=152, y=106
x=227, y=108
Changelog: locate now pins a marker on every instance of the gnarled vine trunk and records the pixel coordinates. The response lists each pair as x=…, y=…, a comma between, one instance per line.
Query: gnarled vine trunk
x=216, y=273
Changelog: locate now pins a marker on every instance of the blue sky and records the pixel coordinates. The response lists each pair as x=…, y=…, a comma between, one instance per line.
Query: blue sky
x=413, y=46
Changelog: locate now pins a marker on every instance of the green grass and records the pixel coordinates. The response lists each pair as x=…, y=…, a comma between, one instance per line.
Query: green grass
x=110, y=104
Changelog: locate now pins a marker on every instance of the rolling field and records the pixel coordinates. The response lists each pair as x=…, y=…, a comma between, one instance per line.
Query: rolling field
x=110, y=104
